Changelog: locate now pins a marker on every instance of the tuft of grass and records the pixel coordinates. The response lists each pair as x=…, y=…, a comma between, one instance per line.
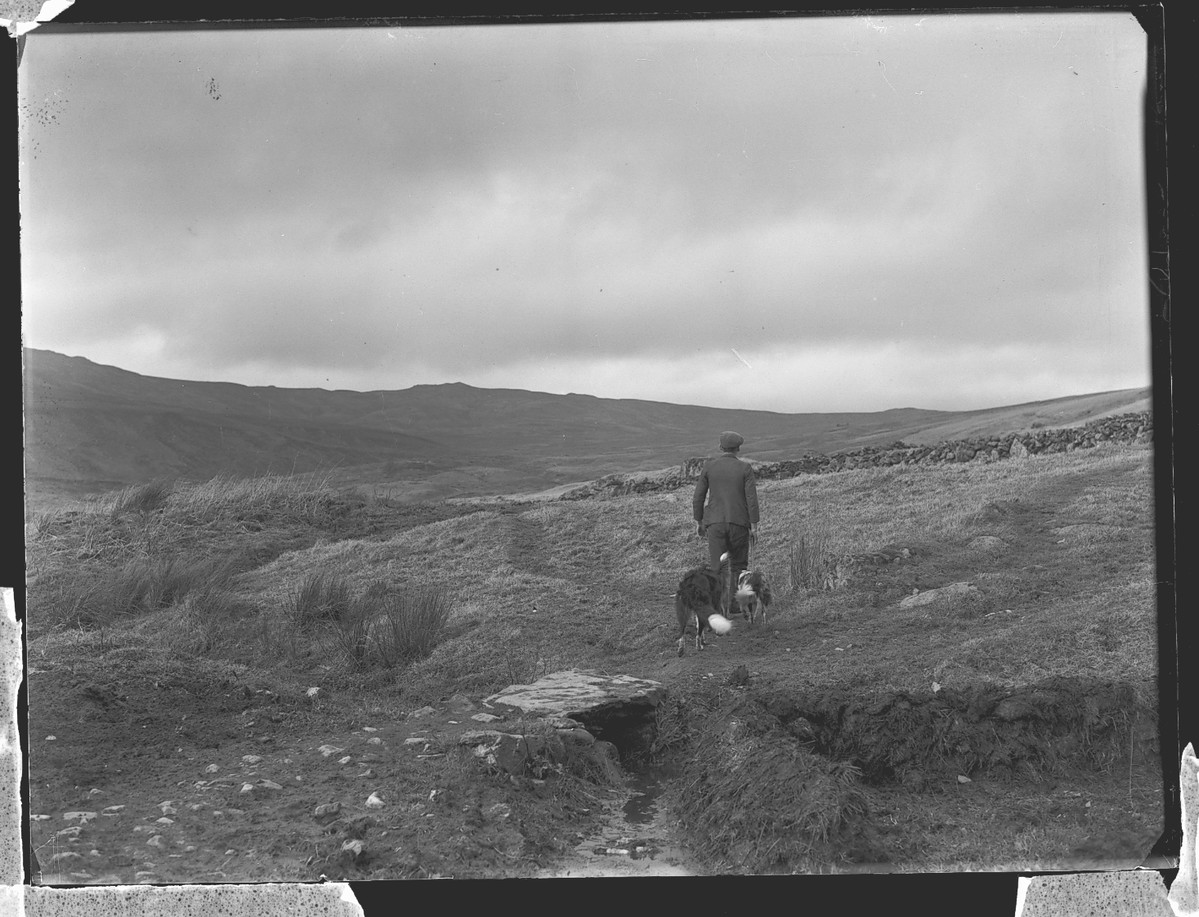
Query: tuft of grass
x=139, y=586
x=384, y=628
x=140, y=499
x=321, y=599
x=812, y=565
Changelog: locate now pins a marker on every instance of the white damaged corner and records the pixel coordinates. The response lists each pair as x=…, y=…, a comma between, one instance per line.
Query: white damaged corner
x=1184, y=891
x=21, y=17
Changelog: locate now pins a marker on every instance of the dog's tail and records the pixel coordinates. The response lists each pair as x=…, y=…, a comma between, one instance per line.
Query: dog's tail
x=719, y=623
x=745, y=591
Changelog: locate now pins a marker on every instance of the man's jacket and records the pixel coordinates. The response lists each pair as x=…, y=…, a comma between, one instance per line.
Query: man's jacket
x=728, y=484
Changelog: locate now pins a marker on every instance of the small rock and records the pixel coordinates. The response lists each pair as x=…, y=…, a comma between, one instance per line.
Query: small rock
x=230, y=852
x=107, y=810
x=250, y=759
x=164, y=821
x=247, y=788
x=964, y=779
x=369, y=729
x=416, y=740
x=212, y=769
x=328, y=750
x=346, y=760
x=367, y=773
x=155, y=841
x=73, y=831
x=326, y=810
x=269, y=785
x=47, y=817
x=311, y=693
x=169, y=810
x=94, y=792
x=83, y=817
x=352, y=847
x=485, y=717
x=423, y=711
x=375, y=741
x=374, y=802
x=51, y=738
x=196, y=806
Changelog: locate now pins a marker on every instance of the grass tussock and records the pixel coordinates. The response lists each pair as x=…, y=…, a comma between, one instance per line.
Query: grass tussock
x=811, y=563
x=379, y=627
x=107, y=595
x=141, y=499
x=816, y=804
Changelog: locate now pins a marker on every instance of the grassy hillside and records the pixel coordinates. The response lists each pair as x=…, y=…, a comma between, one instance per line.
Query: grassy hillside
x=91, y=428
x=201, y=586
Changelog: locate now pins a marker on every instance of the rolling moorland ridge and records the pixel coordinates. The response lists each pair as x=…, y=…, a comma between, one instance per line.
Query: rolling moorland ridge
x=959, y=671
x=92, y=428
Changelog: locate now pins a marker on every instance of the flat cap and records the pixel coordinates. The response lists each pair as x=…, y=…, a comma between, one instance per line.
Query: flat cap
x=730, y=441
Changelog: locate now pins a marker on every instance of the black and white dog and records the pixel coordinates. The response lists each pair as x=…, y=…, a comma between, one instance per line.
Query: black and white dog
x=698, y=602
x=753, y=594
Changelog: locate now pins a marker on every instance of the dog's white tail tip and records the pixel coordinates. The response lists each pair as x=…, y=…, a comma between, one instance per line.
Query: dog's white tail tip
x=720, y=624
x=744, y=592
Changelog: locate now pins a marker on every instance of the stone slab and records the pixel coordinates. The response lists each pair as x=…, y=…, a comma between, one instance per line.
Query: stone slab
x=577, y=693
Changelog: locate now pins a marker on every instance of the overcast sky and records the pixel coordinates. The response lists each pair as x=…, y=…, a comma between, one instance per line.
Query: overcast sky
x=797, y=215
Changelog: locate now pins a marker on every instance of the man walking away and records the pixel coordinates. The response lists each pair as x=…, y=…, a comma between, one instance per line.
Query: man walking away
x=730, y=519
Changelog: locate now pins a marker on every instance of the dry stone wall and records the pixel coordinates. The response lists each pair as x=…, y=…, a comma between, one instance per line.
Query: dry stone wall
x=1123, y=428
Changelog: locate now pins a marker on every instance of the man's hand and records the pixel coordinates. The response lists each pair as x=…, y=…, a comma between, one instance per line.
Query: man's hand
x=699, y=530
x=753, y=534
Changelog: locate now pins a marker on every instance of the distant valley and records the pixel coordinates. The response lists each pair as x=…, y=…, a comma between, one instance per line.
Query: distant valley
x=91, y=428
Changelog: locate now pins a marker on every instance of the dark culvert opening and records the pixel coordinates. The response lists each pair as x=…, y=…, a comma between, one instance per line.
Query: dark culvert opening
x=630, y=726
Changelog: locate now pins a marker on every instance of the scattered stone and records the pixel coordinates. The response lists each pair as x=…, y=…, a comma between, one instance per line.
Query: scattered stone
x=353, y=847
x=577, y=693
x=326, y=810
x=485, y=718
x=164, y=821
x=311, y=693
x=83, y=817
x=107, y=810
x=212, y=769
x=423, y=711
x=94, y=792
x=416, y=740
x=65, y=855
x=931, y=595
x=155, y=841
x=346, y=760
x=73, y=831
x=375, y=741
x=230, y=852
x=964, y=779
x=374, y=802
x=327, y=750
x=168, y=810
x=247, y=788
x=250, y=759
x=269, y=785
x=47, y=817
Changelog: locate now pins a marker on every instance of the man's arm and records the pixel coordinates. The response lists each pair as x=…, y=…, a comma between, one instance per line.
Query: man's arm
x=751, y=501
x=699, y=497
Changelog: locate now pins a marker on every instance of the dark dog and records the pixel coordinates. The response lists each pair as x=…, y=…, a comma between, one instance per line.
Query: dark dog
x=698, y=602
x=753, y=594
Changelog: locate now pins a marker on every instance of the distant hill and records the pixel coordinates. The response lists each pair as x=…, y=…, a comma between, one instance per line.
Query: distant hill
x=91, y=428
